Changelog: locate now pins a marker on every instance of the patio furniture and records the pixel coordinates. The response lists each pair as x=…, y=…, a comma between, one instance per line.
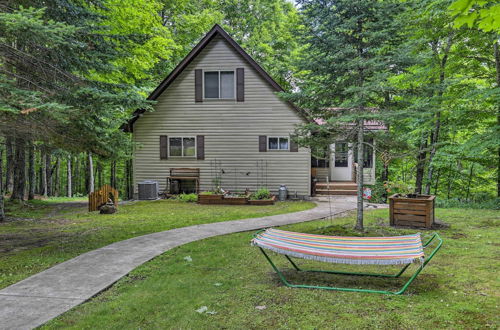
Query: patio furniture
x=184, y=174
x=396, y=250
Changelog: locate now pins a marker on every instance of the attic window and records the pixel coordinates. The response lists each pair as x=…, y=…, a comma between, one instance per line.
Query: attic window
x=219, y=84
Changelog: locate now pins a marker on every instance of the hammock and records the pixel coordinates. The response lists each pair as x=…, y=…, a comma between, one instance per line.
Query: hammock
x=395, y=250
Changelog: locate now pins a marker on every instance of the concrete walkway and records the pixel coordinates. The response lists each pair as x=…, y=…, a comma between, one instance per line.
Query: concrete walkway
x=41, y=297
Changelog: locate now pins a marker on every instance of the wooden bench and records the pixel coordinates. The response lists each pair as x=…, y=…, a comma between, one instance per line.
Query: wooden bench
x=184, y=174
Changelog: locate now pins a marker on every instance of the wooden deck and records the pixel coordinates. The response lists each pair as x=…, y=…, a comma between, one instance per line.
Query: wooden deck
x=336, y=188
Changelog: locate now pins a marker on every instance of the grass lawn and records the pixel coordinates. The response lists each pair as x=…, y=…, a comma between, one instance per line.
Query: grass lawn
x=43, y=233
x=458, y=289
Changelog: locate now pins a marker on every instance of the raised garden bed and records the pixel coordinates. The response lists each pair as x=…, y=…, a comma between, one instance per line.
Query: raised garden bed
x=221, y=199
x=210, y=199
x=262, y=201
x=412, y=211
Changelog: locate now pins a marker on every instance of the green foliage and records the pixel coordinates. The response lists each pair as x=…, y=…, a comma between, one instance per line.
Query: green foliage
x=262, y=193
x=207, y=193
x=488, y=204
x=484, y=13
x=187, y=198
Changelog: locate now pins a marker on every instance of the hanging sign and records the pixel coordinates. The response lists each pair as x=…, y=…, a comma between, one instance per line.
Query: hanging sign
x=367, y=193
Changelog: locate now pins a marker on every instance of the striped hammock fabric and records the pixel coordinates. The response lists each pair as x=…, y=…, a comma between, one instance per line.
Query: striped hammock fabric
x=345, y=250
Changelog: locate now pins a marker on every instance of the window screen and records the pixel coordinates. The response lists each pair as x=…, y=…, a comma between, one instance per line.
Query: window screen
x=175, y=147
x=227, y=85
x=212, y=85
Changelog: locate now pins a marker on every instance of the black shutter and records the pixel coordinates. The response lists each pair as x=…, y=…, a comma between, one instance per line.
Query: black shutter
x=198, y=85
x=262, y=143
x=240, y=84
x=294, y=147
x=163, y=147
x=200, y=147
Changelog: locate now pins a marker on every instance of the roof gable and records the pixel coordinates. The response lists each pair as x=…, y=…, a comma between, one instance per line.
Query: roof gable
x=216, y=30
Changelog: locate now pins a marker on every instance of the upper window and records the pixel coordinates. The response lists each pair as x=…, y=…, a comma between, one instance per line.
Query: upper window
x=219, y=84
x=182, y=146
x=278, y=143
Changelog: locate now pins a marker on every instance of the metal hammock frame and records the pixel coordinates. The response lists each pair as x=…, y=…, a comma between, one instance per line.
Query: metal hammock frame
x=399, y=292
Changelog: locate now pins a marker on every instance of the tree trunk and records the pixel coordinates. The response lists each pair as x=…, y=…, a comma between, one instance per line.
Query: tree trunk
x=69, y=188
x=385, y=178
x=112, y=178
x=128, y=175
x=90, y=171
x=359, y=177
x=100, y=173
x=469, y=182
x=57, y=177
x=19, y=171
x=9, y=171
x=48, y=172
x=31, y=171
x=497, y=66
x=76, y=175
x=422, y=155
x=44, y=172
x=2, y=211
x=438, y=175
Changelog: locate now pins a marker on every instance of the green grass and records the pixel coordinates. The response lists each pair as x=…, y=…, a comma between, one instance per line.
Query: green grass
x=458, y=289
x=41, y=234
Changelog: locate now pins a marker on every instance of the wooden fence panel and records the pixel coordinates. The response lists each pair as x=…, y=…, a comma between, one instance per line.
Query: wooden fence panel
x=101, y=196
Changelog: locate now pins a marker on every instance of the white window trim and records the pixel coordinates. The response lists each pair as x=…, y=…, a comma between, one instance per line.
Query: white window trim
x=182, y=146
x=278, y=137
x=219, y=71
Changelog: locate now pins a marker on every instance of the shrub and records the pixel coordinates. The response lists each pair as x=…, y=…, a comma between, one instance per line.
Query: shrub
x=262, y=193
x=187, y=198
x=492, y=204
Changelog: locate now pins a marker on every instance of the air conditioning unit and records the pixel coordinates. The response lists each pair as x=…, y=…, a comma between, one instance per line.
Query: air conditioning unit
x=148, y=190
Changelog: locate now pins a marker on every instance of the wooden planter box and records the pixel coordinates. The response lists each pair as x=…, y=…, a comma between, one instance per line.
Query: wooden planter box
x=210, y=199
x=221, y=200
x=235, y=200
x=262, y=201
x=412, y=212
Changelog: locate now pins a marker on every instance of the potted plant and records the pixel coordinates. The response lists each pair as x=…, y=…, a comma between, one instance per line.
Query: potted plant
x=261, y=197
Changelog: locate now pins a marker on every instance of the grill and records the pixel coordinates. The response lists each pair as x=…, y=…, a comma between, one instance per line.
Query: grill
x=148, y=190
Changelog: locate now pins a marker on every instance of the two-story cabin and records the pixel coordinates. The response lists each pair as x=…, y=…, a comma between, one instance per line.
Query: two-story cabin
x=218, y=112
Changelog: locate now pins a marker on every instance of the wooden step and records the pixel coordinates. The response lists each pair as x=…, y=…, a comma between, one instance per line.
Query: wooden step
x=335, y=192
x=336, y=187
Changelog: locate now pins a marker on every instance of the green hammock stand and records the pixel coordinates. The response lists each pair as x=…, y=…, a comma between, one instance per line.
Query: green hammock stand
x=422, y=265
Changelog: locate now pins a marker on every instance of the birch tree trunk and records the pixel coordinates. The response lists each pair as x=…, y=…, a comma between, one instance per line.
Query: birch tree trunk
x=90, y=173
x=69, y=188
x=359, y=176
x=31, y=171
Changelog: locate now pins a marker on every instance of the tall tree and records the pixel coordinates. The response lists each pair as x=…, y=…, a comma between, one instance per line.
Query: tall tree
x=349, y=55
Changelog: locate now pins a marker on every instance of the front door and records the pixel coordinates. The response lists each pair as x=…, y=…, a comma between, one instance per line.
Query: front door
x=341, y=164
